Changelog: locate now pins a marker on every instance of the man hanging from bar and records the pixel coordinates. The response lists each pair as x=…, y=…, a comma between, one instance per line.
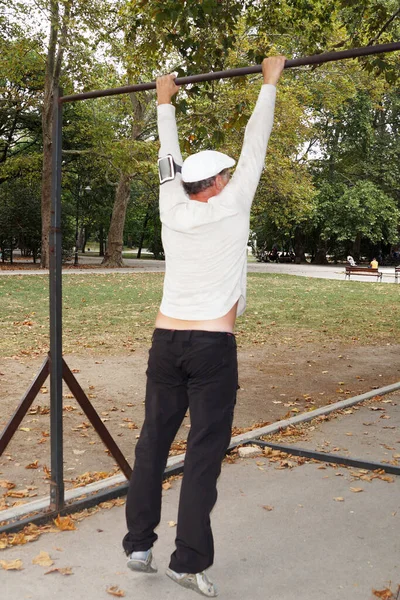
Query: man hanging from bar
x=193, y=359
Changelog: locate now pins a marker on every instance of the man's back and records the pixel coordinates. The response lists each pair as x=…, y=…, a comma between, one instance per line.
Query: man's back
x=205, y=243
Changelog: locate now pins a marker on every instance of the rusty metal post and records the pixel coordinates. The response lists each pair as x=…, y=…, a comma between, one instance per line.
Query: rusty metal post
x=55, y=355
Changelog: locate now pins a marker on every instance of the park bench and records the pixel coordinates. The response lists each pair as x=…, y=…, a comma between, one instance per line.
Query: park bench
x=396, y=274
x=362, y=271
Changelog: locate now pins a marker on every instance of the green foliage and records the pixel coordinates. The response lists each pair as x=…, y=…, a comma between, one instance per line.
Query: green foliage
x=347, y=112
x=20, y=216
x=361, y=210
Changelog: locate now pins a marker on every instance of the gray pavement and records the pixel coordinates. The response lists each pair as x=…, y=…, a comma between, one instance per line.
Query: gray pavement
x=320, y=540
x=156, y=266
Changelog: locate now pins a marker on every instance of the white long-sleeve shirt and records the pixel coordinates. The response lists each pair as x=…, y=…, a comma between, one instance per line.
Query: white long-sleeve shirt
x=205, y=243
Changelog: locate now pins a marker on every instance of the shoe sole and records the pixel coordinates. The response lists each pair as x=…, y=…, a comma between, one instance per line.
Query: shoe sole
x=141, y=567
x=188, y=584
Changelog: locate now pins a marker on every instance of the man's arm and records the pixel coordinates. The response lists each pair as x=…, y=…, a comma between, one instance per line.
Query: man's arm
x=171, y=192
x=252, y=158
x=167, y=130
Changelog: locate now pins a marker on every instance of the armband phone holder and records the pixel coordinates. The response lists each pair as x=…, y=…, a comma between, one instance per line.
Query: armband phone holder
x=167, y=168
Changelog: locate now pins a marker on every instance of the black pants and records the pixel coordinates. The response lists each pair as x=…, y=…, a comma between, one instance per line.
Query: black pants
x=195, y=370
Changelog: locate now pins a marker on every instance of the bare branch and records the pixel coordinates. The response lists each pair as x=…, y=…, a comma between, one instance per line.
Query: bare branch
x=385, y=26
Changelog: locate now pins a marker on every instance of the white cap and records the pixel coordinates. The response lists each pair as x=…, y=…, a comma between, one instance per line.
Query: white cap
x=205, y=164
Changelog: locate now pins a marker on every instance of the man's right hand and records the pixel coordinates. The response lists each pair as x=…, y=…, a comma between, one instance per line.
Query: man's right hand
x=166, y=88
x=272, y=68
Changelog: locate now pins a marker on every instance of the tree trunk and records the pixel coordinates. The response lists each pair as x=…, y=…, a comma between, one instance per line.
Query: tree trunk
x=57, y=43
x=113, y=255
x=47, y=123
x=320, y=255
x=101, y=241
x=81, y=239
x=357, y=247
x=146, y=220
x=299, y=245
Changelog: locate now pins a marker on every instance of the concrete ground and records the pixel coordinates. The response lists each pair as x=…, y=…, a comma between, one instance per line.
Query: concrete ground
x=154, y=266
x=282, y=531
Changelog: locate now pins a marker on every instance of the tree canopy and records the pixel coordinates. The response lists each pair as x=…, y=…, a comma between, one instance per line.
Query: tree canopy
x=331, y=183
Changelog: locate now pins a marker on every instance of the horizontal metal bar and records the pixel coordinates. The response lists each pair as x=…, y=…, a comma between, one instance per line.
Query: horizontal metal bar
x=312, y=414
x=315, y=59
x=47, y=515
x=329, y=458
x=88, y=501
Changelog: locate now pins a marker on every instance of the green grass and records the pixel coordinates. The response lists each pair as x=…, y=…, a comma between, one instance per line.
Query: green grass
x=114, y=313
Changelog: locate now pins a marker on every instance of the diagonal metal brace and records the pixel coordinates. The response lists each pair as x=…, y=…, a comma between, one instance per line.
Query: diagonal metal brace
x=95, y=420
x=24, y=406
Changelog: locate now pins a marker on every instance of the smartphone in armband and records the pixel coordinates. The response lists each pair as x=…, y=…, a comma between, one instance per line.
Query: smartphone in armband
x=167, y=168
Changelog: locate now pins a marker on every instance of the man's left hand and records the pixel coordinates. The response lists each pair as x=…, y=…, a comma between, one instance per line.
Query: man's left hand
x=166, y=88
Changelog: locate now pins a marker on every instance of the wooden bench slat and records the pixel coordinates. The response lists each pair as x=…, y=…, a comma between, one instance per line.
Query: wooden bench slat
x=368, y=271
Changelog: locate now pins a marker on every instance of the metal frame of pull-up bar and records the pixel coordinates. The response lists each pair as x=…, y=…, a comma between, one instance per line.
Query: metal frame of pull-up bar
x=316, y=59
x=54, y=365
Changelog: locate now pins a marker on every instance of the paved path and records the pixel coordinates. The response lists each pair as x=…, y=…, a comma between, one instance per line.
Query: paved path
x=154, y=266
x=321, y=540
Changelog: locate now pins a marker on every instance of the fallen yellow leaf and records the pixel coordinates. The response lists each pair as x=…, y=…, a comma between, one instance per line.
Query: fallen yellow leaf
x=64, y=523
x=339, y=499
x=62, y=571
x=115, y=591
x=166, y=485
x=171, y=523
x=386, y=594
x=43, y=559
x=386, y=478
x=267, y=507
x=356, y=489
x=8, y=485
x=18, y=494
x=18, y=539
x=13, y=565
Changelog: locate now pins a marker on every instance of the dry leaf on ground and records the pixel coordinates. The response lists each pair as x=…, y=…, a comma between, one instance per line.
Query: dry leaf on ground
x=267, y=507
x=385, y=594
x=8, y=485
x=64, y=523
x=115, y=591
x=18, y=494
x=62, y=571
x=12, y=565
x=43, y=559
x=166, y=485
x=171, y=523
x=356, y=490
x=33, y=465
x=339, y=499
x=17, y=539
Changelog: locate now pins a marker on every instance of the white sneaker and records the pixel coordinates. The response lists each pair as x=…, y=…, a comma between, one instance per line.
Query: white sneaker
x=142, y=561
x=198, y=582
